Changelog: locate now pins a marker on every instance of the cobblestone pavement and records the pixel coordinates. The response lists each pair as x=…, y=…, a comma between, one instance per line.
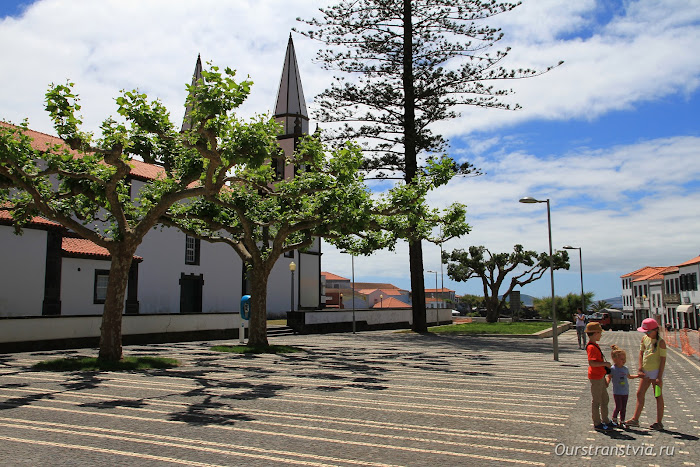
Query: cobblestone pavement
x=374, y=398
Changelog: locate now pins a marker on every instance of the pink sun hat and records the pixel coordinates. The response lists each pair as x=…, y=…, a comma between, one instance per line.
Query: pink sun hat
x=648, y=324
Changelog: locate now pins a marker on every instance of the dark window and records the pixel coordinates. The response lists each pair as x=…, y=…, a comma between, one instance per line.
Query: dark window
x=191, y=293
x=277, y=164
x=100, y=288
x=677, y=282
x=191, y=250
x=645, y=290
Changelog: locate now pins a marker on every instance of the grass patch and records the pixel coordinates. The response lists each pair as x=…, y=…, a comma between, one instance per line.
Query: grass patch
x=242, y=349
x=93, y=364
x=277, y=322
x=491, y=328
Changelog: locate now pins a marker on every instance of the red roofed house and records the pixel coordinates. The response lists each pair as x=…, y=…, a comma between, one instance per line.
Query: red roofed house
x=48, y=271
x=668, y=294
x=439, y=298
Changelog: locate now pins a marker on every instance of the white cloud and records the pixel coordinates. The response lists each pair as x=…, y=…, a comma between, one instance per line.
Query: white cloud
x=625, y=206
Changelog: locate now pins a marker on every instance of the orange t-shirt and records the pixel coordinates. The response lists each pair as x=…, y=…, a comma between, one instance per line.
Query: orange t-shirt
x=595, y=354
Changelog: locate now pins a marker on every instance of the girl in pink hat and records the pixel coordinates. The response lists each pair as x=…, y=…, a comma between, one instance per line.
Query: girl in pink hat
x=652, y=360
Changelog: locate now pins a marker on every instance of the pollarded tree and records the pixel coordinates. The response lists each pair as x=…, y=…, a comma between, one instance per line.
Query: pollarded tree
x=414, y=62
x=262, y=218
x=85, y=184
x=523, y=266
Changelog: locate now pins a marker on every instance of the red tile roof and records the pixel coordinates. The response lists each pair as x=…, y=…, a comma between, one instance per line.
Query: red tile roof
x=374, y=285
x=6, y=217
x=42, y=141
x=333, y=277
x=646, y=270
x=382, y=291
x=443, y=289
x=391, y=302
x=85, y=248
x=695, y=260
x=653, y=273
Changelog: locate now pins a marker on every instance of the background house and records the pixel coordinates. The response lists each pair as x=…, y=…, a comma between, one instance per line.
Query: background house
x=668, y=294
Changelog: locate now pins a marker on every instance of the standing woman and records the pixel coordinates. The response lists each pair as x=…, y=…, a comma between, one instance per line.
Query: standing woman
x=652, y=360
x=580, y=328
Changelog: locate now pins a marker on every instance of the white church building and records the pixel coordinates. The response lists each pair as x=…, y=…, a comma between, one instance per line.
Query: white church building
x=48, y=271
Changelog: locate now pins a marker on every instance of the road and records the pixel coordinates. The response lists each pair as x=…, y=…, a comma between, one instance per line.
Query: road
x=374, y=398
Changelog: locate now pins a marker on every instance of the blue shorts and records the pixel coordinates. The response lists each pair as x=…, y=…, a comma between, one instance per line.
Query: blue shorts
x=651, y=374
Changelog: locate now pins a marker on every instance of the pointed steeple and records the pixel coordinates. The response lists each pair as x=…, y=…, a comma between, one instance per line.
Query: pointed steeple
x=290, y=108
x=186, y=124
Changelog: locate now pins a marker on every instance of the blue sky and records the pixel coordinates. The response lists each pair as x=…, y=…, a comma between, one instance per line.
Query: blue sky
x=611, y=137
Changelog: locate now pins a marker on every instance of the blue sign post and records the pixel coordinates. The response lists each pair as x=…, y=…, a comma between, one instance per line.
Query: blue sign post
x=245, y=316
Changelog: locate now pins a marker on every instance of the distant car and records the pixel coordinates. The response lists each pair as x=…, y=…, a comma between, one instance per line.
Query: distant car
x=456, y=313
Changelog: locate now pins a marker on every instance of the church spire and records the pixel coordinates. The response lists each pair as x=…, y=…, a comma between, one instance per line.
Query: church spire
x=186, y=124
x=290, y=108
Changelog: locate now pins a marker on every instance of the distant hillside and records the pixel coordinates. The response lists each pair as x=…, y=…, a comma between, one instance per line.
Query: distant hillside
x=616, y=302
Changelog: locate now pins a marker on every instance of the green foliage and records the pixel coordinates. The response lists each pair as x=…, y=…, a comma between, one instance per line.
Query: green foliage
x=565, y=306
x=521, y=266
x=600, y=305
x=85, y=184
x=447, y=65
x=261, y=217
x=94, y=364
x=471, y=300
x=244, y=349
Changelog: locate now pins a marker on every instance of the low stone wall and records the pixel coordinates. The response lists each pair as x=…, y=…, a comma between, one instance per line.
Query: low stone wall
x=561, y=327
x=321, y=321
x=63, y=332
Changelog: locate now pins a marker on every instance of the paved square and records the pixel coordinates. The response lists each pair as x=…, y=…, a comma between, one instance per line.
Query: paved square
x=374, y=398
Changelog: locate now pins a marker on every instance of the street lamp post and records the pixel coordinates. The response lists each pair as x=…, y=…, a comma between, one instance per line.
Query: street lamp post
x=381, y=301
x=292, y=268
x=555, y=340
x=437, y=315
x=580, y=262
x=353, y=288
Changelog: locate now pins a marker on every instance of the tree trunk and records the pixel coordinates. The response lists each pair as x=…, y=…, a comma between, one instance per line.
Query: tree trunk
x=111, y=328
x=257, y=334
x=415, y=253
x=492, y=310
x=415, y=248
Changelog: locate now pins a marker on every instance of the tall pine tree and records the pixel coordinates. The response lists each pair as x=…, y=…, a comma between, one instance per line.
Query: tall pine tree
x=411, y=63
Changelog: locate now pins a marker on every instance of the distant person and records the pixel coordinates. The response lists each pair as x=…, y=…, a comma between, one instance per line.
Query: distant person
x=619, y=375
x=652, y=361
x=580, y=328
x=597, y=369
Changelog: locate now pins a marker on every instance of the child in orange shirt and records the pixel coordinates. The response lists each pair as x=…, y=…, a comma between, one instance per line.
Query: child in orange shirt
x=597, y=369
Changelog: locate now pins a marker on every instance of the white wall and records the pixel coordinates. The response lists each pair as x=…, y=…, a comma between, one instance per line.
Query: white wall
x=163, y=253
x=78, y=285
x=21, y=330
x=22, y=271
x=309, y=270
x=279, y=286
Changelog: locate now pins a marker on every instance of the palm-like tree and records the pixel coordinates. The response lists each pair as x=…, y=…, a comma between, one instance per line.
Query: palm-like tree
x=600, y=305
